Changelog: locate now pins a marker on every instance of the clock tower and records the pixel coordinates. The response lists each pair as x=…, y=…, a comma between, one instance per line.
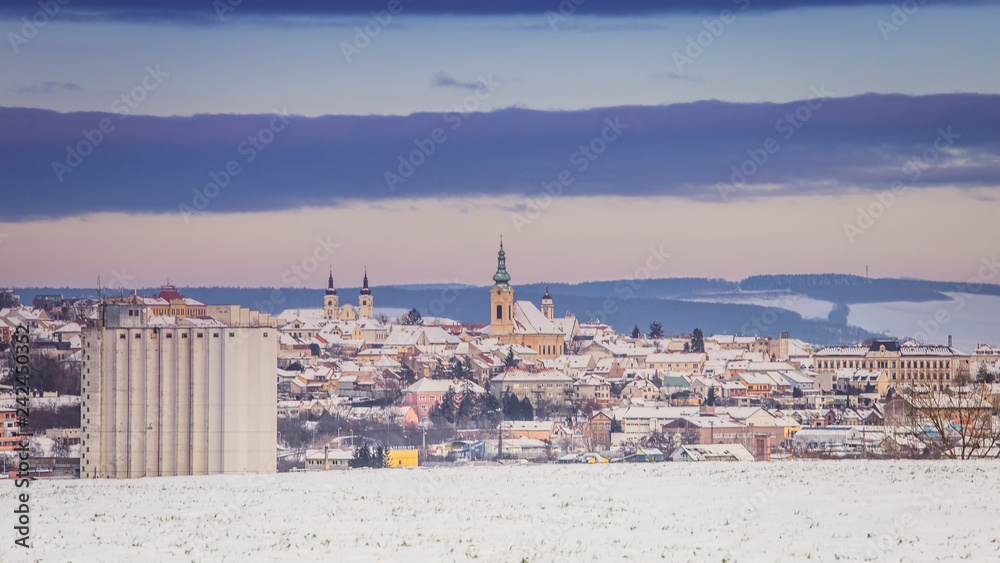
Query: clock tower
x=501, y=298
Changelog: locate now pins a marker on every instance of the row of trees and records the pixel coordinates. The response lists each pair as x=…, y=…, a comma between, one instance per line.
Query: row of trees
x=696, y=344
x=375, y=457
x=47, y=373
x=517, y=409
x=479, y=410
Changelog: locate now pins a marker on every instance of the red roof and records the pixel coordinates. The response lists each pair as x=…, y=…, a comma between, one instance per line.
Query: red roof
x=169, y=292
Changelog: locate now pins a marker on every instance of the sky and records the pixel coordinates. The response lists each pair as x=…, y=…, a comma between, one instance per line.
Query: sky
x=232, y=143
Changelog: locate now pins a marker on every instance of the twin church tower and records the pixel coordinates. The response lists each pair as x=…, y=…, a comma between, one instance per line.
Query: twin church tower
x=333, y=311
x=511, y=322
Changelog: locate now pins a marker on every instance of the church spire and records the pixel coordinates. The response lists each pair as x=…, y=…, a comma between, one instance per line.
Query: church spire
x=330, y=290
x=364, y=288
x=501, y=277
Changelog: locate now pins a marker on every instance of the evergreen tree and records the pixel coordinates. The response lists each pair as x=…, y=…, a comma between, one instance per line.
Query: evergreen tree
x=655, y=330
x=446, y=407
x=457, y=369
x=510, y=405
x=407, y=376
x=697, y=341
x=636, y=333
x=413, y=317
x=615, y=425
x=527, y=411
x=510, y=361
x=362, y=457
x=710, y=401
x=381, y=458
x=466, y=404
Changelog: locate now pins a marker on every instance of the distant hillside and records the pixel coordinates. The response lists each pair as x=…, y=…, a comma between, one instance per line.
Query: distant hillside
x=623, y=304
x=842, y=288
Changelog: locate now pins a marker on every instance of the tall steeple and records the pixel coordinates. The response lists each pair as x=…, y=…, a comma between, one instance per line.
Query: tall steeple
x=547, y=307
x=330, y=290
x=366, y=303
x=331, y=303
x=501, y=298
x=364, y=288
x=501, y=278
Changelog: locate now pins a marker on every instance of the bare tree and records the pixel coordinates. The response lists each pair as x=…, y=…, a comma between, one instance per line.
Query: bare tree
x=954, y=421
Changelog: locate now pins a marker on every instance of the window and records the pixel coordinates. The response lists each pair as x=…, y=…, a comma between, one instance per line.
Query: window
x=232, y=334
x=137, y=335
x=184, y=335
x=265, y=335
x=499, y=312
x=121, y=337
x=199, y=335
x=215, y=335
x=170, y=335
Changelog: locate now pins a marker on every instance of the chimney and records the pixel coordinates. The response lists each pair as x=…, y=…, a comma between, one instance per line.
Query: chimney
x=949, y=341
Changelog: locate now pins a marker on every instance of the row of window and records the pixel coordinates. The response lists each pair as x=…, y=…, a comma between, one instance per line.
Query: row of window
x=913, y=376
x=907, y=364
x=138, y=335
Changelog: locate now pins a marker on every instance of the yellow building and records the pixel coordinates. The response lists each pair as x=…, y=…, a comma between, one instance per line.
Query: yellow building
x=333, y=310
x=403, y=457
x=520, y=322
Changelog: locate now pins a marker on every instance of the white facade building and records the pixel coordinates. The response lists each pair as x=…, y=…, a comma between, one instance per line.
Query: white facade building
x=188, y=397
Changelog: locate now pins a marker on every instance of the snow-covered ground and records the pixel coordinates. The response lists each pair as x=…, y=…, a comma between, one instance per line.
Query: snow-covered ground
x=779, y=511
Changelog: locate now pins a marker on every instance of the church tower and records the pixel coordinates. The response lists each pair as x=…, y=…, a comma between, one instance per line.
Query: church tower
x=331, y=303
x=501, y=298
x=366, y=304
x=547, y=308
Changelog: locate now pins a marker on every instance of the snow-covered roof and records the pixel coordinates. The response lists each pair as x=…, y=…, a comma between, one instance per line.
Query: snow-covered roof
x=529, y=320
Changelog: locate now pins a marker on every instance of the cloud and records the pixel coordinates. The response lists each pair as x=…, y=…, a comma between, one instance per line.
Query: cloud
x=675, y=76
x=156, y=164
x=442, y=79
x=193, y=11
x=44, y=88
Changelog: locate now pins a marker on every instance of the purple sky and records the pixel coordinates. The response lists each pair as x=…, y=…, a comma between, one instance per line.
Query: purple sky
x=216, y=149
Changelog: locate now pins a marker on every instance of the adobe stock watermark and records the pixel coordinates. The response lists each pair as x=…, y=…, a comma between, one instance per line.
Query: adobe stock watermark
x=593, y=499
x=786, y=127
x=626, y=288
x=899, y=17
x=364, y=35
x=885, y=199
x=533, y=207
x=298, y=273
x=714, y=28
x=93, y=138
x=449, y=294
x=427, y=146
x=121, y=280
x=880, y=544
x=30, y=27
x=249, y=149
x=566, y=9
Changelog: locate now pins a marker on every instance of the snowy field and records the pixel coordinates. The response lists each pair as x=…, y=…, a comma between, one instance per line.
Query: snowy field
x=779, y=511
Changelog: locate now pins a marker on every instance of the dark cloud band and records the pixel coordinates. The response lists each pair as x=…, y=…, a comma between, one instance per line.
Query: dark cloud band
x=208, y=11
x=69, y=164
